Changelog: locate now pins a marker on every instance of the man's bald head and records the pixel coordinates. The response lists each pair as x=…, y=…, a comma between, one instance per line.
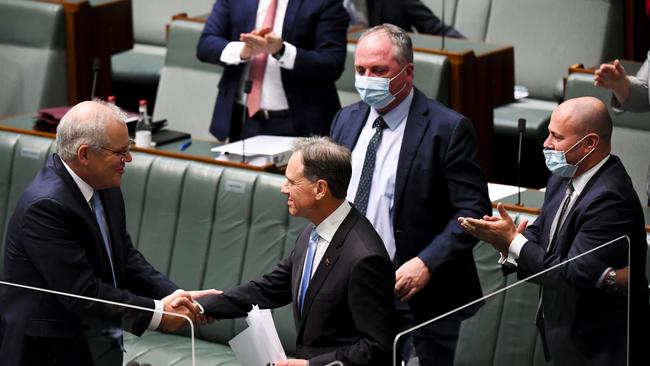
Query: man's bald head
x=586, y=115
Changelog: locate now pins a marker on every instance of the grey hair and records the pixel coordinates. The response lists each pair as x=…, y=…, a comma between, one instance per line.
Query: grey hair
x=77, y=128
x=402, y=44
x=324, y=159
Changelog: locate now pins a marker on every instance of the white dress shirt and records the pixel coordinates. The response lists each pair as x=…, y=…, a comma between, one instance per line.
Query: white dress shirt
x=326, y=230
x=382, y=191
x=579, y=184
x=88, y=192
x=273, y=97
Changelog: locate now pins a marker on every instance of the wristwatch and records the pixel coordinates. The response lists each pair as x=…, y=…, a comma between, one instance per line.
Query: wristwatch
x=609, y=284
x=278, y=55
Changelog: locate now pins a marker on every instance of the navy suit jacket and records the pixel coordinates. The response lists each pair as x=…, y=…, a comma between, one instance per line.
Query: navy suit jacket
x=409, y=15
x=54, y=242
x=581, y=322
x=348, y=309
x=438, y=179
x=318, y=30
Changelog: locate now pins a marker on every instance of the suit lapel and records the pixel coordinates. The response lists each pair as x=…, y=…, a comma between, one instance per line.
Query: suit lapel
x=354, y=125
x=250, y=7
x=327, y=264
x=88, y=215
x=293, y=8
x=416, y=126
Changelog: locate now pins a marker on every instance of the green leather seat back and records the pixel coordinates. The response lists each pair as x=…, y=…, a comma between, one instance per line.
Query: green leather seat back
x=188, y=89
x=33, y=64
x=194, y=227
x=268, y=228
x=134, y=183
x=230, y=231
x=8, y=142
x=158, y=227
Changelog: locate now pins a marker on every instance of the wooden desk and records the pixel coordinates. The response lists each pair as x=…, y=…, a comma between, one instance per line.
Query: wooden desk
x=96, y=30
x=198, y=151
x=482, y=77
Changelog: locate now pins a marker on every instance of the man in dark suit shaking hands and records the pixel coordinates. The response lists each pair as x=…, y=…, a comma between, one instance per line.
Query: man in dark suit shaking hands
x=68, y=234
x=414, y=171
x=583, y=312
x=338, y=276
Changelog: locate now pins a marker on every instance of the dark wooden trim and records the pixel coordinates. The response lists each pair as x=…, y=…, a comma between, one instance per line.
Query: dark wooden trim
x=517, y=208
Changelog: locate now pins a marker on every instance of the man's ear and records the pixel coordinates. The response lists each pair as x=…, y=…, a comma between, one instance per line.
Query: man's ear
x=322, y=189
x=82, y=154
x=592, y=141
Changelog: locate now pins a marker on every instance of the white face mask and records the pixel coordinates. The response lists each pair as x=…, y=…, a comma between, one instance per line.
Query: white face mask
x=557, y=164
x=375, y=91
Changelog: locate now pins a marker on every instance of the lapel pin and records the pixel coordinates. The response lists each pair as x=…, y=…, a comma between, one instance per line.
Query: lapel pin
x=327, y=261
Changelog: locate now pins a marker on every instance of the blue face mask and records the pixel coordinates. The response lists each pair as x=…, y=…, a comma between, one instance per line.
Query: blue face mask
x=557, y=164
x=375, y=90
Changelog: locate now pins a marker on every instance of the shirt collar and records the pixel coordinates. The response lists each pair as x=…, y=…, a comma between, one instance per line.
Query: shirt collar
x=84, y=187
x=581, y=181
x=395, y=116
x=327, y=228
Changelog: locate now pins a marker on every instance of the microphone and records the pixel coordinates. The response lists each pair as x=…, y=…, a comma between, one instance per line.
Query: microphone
x=248, y=85
x=521, y=127
x=96, y=65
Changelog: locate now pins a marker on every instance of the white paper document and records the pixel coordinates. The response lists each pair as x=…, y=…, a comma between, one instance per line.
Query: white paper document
x=258, y=150
x=259, y=344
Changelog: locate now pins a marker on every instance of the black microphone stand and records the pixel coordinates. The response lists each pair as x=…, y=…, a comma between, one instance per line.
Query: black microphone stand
x=521, y=127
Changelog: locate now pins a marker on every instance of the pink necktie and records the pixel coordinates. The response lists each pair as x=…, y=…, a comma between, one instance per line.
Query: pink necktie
x=258, y=66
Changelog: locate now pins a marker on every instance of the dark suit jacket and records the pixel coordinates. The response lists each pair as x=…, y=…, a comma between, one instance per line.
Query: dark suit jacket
x=54, y=242
x=348, y=308
x=438, y=179
x=408, y=15
x=581, y=322
x=318, y=30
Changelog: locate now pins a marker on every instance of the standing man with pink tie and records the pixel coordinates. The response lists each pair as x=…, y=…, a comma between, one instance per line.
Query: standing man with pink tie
x=291, y=51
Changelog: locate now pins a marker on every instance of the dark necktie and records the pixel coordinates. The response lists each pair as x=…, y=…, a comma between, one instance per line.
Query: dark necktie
x=103, y=228
x=559, y=217
x=365, y=182
x=309, y=263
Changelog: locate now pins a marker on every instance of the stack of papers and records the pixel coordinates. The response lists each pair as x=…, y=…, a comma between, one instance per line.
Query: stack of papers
x=258, y=150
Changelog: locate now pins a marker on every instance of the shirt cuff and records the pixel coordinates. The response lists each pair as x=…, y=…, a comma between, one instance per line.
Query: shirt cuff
x=513, y=251
x=288, y=59
x=157, y=315
x=231, y=54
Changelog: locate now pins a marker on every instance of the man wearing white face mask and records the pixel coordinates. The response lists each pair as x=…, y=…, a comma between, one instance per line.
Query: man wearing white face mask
x=414, y=171
x=589, y=201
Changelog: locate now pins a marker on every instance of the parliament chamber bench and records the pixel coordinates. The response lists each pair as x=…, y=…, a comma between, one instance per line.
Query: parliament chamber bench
x=210, y=226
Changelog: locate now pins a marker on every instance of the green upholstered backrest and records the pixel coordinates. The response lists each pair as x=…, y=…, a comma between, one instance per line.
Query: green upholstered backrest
x=187, y=90
x=21, y=158
x=33, y=57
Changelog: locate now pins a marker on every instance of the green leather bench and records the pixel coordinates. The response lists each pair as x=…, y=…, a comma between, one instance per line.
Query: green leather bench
x=208, y=226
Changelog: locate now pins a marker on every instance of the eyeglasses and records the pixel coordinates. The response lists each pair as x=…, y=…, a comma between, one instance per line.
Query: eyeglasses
x=122, y=153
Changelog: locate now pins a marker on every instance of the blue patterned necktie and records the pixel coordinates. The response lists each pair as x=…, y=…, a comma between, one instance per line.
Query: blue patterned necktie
x=365, y=182
x=101, y=221
x=559, y=217
x=309, y=262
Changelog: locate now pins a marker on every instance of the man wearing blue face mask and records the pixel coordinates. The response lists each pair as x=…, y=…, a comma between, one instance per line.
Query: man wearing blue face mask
x=583, y=311
x=414, y=171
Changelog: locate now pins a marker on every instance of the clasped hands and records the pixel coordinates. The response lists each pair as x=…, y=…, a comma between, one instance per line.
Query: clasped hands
x=181, y=302
x=261, y=41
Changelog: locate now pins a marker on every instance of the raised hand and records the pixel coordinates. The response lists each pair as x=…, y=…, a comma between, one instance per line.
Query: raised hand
x=496, y=230
x=612, y=76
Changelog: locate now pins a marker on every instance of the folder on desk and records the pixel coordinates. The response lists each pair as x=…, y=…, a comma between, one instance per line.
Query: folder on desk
x=258, y=150
x=166, y=136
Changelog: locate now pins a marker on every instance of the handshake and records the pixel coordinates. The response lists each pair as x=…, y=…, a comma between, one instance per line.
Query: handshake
x=181, y=304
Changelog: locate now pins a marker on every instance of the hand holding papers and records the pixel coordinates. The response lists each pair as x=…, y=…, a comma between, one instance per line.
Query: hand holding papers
x=258, y=344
